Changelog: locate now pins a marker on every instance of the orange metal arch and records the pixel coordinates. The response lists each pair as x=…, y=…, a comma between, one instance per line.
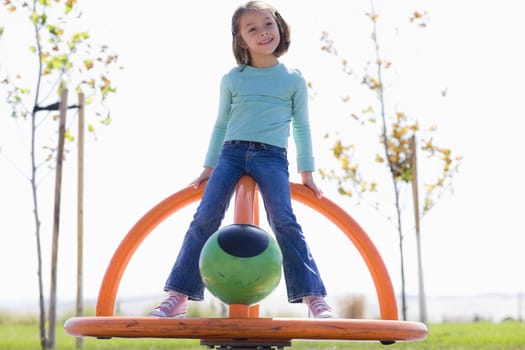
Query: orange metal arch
x=246, y=211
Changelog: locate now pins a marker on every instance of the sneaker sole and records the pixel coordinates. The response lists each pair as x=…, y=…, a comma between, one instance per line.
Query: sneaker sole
x=175, y=316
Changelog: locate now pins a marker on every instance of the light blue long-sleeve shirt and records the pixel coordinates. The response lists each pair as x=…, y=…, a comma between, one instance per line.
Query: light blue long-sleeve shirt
x=260, y=104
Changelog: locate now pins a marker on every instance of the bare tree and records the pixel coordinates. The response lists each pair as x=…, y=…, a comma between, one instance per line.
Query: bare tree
x=64, y=59
x=395, y=130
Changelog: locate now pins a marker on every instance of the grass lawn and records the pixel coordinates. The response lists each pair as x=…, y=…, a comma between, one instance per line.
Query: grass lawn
x=453, y=336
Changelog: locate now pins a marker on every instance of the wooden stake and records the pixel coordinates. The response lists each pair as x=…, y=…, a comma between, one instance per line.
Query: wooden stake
x=80, y=214
x=56, y=220
x=422, y=297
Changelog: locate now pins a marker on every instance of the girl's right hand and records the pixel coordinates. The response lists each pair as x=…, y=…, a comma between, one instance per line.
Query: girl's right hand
x=204, y=175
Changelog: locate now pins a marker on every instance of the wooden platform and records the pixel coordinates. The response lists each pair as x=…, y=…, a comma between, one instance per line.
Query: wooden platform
x=239, y=329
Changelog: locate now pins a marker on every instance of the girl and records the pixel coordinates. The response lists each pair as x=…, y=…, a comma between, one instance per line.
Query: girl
x=259, y=99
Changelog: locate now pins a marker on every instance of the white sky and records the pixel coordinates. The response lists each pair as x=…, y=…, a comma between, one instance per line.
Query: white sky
x=174, y=56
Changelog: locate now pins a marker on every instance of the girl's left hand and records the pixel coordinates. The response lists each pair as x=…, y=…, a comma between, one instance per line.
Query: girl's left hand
x=308, y=180
x=204, y=175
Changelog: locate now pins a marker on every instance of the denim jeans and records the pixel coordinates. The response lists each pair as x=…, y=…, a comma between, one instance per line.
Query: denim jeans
x=268, y=165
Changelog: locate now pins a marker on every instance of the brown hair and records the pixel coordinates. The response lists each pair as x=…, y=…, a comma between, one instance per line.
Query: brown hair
x=241, y=53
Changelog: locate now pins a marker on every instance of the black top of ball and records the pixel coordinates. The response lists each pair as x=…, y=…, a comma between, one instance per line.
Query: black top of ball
x=243, y=240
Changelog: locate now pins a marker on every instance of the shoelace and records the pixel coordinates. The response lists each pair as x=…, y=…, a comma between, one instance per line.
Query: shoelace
x=169, y=303
x=318, y=305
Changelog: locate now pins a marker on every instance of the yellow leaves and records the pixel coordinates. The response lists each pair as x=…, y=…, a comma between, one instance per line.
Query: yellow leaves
x=69, y=5
x=68, y=137
x=54, y=30
x=376, y=84
x=428, y=146
x=106, y=86
x=328, y=44
x=449, y=166
x=349, y=171
x=107, y=120
x=414, y=127
x=373, y=16
x=445, y=151
x=398, y=147
x=76, y=39
x=372, y=82
x=79, y=36
x=88, y=64
x=10, y=7
x=428, y=203
x=416, y=15
x=44, y=56
x=393, y=159
x=59, y=62
x=106, y=80
x=430, y=187
x=111, y=59
x=345, y=164
x=385, y=64
x=420, y=18
x=34, y=17
x=338, y=149
x=344, y=192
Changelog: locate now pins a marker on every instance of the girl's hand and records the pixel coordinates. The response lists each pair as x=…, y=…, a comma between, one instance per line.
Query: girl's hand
x=308, y=180
x=204, y=175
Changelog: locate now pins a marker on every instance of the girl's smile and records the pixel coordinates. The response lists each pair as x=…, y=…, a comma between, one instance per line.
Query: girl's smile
x=266, y=41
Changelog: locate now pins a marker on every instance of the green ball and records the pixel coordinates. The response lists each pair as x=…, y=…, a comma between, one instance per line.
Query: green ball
x=240, y=264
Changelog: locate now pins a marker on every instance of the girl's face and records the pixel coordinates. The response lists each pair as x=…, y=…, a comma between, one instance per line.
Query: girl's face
x=260, y=34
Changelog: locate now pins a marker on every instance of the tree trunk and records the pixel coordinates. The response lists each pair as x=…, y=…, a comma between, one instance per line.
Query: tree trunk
x=36, y=215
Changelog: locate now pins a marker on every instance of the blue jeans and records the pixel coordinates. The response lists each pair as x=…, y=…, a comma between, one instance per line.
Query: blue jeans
x=268, y=165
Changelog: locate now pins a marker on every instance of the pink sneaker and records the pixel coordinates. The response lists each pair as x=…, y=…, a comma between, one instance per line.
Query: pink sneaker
x=318, y=308
x=173, y=306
